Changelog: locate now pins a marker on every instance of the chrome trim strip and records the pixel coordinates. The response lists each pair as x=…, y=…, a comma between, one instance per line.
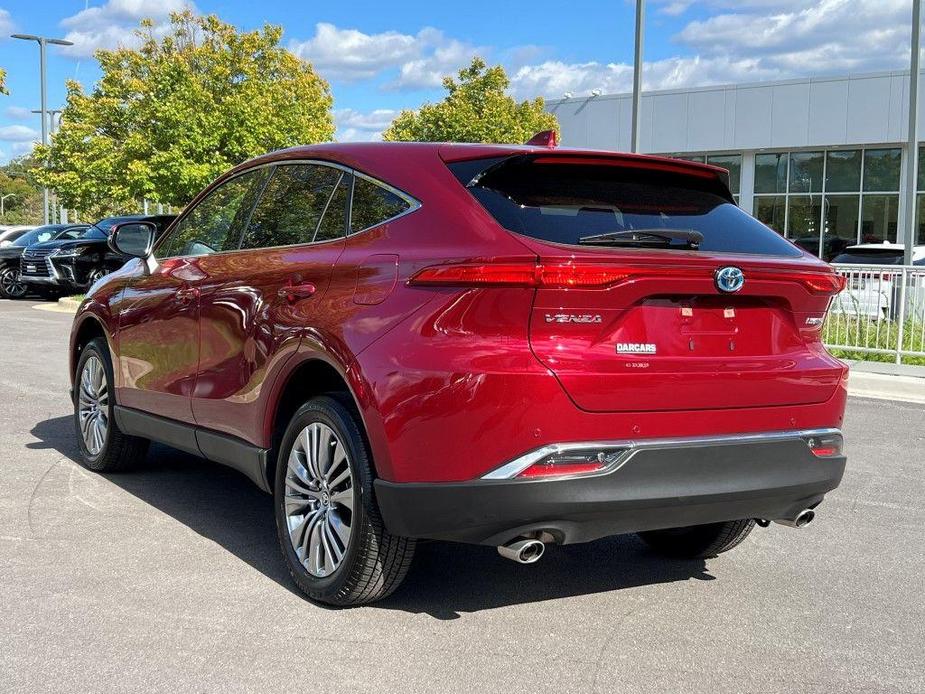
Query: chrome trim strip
x=513, y=468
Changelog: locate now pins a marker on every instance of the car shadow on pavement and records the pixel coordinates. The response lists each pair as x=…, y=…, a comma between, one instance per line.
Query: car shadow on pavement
x=446, y=579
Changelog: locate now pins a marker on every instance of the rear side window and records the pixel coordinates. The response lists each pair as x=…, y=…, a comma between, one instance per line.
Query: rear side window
x=292, y=206
x=566, y=202
x=214, y=225
x=374, y=204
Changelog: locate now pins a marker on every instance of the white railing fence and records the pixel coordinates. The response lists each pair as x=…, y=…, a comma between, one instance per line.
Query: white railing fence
x=881, y=311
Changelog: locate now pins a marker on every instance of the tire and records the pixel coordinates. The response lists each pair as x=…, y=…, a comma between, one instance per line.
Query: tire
x=10, y=286
x=319, y=515
x=109, y=450
x=698, y=541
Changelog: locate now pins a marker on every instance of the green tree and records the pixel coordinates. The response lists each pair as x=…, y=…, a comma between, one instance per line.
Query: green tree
x=3, y=89
x=166, y=119
x=477, y=108
x=24, y=206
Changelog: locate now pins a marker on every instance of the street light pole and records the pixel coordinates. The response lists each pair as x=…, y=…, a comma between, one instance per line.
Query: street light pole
x=43, y=41
x=912, y=148
x=637, y=75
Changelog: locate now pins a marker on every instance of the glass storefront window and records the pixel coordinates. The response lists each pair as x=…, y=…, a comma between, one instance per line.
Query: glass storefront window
x=841, y=223
x=806, y=172
x=732, y=162
x=881, y=169
x=771, y=210
x=859, y=202
x=805, y=216
x=771, y=173
x=879, y=214
x=843, y=171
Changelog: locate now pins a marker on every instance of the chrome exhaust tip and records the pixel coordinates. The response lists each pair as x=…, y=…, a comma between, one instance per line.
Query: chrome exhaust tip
x=522, y=551
x=804, y=517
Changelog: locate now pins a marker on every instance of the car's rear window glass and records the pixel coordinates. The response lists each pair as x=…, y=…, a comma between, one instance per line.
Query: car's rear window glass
x=566, y=201
x=373, y=204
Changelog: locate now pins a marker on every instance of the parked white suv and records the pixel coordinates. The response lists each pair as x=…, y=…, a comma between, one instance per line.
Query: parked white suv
x=872, y=290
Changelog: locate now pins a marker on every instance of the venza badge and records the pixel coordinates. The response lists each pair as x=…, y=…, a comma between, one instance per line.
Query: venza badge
x=729, y=279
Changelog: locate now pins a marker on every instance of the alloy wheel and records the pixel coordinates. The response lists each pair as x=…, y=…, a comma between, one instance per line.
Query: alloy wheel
x=10, y=285
x=319, y=499
x=93, y=405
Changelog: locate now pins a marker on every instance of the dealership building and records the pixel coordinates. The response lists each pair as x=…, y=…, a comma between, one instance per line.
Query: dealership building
x=804, y=155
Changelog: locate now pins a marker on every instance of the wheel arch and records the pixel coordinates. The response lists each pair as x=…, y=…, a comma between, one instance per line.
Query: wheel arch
x=88, y=327
x=313, y=376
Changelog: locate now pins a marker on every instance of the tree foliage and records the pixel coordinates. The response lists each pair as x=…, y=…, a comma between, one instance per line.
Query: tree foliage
x=164, y=120
x=24, y=206
x=477, y=108
x=3, y=89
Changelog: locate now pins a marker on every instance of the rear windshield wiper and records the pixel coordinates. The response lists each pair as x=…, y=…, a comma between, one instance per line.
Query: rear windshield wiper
x=644, y=237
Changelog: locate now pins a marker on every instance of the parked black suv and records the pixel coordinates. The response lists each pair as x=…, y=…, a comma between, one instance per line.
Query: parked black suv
x=10, y=285
x=62, y=266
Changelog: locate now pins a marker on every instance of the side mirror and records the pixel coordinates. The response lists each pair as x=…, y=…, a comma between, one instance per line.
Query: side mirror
x=134, y=239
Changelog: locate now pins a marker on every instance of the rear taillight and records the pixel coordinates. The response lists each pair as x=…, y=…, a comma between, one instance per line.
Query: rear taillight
x=551, y=276
x=591, y=275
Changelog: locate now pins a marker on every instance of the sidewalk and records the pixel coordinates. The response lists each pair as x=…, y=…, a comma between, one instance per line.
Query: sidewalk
x=871, y=379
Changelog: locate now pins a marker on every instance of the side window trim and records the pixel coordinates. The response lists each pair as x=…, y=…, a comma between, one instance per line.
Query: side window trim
x=413, y=203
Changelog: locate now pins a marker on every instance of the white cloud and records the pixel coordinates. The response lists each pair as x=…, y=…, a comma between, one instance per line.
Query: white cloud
x=350, y=55
x=19, y=113
x=113, y=24
x=18, y=133
x=442, y=57
x=6, y=23
x=808, y=37
x=552, y=79
x=357, y=126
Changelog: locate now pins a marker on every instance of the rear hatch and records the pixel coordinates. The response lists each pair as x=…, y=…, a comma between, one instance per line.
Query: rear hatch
x=638, y=304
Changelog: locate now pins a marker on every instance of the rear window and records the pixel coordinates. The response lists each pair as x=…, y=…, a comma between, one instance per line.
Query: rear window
x=568, y=201
x=870, y=256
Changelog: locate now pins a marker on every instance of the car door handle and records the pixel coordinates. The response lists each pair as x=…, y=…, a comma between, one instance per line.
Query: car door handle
x=293, y=292
x=187, y=294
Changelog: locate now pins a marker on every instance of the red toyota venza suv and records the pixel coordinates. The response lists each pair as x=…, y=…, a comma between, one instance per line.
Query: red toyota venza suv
x=506, y=345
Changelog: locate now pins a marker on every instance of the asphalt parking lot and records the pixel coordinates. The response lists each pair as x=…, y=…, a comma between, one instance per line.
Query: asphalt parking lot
x=169, y=579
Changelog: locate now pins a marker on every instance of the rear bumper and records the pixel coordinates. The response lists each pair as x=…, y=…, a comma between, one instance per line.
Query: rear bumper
x=660, y=484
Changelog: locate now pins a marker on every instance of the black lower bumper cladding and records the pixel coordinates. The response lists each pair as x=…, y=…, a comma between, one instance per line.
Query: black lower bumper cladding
x=658, y=487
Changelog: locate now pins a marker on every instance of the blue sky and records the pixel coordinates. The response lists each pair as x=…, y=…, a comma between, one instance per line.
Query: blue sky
x=382, y=57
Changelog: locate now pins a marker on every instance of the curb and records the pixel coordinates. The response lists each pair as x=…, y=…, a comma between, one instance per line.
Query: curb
x=886, y=387
x=68, y=304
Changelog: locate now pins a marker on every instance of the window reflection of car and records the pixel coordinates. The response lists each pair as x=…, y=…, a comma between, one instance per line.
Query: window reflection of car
x=831, y=245
x=10, y=285
x=73, y=265
x=873, y=291
x=11, y=233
